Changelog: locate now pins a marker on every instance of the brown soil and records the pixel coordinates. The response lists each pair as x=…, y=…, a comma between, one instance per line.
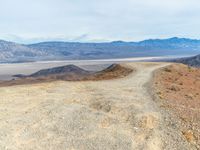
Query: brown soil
x=178, y=87
x=112, y=72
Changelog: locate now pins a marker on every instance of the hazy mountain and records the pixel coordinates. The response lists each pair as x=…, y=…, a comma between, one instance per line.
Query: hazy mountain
x=191, y=61
x=12, y=52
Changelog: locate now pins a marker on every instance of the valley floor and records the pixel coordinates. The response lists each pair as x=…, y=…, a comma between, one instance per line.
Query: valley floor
x=88, y=115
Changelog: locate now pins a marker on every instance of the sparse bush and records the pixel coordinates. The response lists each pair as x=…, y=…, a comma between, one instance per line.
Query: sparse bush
x=167, y=70
x=174, y=88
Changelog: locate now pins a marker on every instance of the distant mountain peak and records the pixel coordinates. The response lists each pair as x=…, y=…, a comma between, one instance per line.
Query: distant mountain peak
x=58, y=50
x=175, y=38
x=118, y=42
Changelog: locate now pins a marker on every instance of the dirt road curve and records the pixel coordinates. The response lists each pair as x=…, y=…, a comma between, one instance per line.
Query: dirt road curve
x=104, y=115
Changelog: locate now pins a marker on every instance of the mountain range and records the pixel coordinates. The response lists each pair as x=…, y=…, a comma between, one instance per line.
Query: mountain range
x=13, y=52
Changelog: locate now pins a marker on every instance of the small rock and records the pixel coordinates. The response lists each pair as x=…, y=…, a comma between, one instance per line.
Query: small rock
x=174, y=88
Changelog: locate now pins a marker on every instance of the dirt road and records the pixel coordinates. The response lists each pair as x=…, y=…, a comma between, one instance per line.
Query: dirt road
x=102, y=115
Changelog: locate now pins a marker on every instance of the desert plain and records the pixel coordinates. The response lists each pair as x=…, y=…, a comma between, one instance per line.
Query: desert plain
x=121, y=113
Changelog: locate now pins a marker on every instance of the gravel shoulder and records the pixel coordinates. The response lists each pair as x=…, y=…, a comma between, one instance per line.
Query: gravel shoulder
x=101, y=115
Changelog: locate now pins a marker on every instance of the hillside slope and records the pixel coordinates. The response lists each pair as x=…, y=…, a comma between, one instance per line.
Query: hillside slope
x=191, y=61
x=178, y=89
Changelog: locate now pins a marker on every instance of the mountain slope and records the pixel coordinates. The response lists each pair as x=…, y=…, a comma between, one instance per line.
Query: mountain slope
x=117, y=49
x=191, y=61
x=12, y=52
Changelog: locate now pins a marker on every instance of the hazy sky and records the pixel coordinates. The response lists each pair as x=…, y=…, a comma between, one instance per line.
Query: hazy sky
x=98, y=20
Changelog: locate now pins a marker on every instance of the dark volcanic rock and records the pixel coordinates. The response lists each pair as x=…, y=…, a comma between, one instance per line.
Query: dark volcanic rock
x=70, y=73
x=191, y=61
x=69, y=69
x=19, y=76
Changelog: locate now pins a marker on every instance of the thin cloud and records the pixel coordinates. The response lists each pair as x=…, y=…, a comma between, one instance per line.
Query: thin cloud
x=91, y=20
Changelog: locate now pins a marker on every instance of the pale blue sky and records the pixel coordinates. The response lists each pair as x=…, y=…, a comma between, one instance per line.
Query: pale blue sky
x=29, y=21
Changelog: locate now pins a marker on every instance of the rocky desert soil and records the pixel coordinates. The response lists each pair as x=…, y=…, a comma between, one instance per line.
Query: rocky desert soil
x=86, y=115
x=178, y=88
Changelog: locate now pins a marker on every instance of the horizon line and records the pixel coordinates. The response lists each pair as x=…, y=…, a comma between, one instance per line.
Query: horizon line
x=96, y=42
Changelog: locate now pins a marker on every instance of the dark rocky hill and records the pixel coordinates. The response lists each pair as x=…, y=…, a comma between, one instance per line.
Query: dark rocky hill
x=64, y=70
x=191, y=61
x=70, y=73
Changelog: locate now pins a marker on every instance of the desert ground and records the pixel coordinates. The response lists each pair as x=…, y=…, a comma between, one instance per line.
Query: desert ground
x=111, y=114
x=178, y=88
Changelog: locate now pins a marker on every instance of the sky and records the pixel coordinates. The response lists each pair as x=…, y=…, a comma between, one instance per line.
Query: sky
x=29, y=21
